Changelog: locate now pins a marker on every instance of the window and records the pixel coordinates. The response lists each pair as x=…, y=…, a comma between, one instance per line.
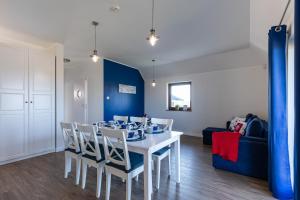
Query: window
x=179, y=96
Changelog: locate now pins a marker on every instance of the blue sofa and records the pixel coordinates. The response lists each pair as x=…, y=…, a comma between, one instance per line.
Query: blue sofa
x=253, y=150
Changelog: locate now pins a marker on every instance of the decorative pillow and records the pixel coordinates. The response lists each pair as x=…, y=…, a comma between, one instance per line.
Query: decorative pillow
x=235, y=121
x=240, y=127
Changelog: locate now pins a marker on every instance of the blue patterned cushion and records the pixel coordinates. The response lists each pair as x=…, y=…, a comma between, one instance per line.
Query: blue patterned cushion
x=161, y=151
x=136, y=160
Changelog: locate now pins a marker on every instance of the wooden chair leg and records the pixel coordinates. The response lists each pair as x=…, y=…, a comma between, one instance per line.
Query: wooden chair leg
x=78, y=167
x=108, y=183
x=99, y=181
x=84, y=172
x=128, y=188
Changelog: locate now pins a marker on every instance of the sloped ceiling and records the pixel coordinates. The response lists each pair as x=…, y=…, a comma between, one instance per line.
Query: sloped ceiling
x=263, y=15
x=187, y=29
x=192, y=29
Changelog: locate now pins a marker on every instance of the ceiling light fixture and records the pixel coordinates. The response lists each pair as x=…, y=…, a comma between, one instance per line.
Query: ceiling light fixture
x=94, y=55
x=153, y=66
x=153, y=38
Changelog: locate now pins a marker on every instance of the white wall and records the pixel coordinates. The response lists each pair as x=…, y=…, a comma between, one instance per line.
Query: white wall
x=216, y=98
x=78, y=71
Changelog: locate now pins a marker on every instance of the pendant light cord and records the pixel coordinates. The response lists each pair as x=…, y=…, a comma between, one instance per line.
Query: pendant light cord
x=153, y=67
x=95, y=37
x=152, y=14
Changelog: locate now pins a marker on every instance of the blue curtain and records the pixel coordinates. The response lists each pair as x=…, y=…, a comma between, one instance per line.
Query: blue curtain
x=297, y=100
x=279, y=168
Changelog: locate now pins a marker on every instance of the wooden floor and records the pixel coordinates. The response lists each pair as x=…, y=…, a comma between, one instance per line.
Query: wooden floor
x=42, y=178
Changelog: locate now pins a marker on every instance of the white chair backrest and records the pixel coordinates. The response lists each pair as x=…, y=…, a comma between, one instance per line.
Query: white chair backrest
x=121, y=118
x=168, y=123
x=116, y=140
x=70, y=136
x=142, y=120
x=89, y=141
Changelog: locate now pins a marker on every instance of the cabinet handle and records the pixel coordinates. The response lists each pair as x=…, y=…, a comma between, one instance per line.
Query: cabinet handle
x=26, y=101
x=31, y=102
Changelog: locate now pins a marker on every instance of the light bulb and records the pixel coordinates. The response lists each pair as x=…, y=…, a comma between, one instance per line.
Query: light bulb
x=153, y=83
x=95, y=58
x=153, y=39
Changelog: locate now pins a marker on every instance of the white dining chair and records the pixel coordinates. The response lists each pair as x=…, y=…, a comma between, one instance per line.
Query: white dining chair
x=118, y=118
x=92, y=154
x=159, y=155
x=139, y=120
x=72, y=149
x=120, y=162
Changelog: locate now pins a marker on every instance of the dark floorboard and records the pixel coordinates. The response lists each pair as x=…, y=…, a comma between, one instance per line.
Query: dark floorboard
x=42, y=178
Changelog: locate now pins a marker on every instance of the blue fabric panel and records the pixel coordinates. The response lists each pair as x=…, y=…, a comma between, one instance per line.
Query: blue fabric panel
x=120, y=103
x=280, y=179
x=252, y=158
x=297, y=100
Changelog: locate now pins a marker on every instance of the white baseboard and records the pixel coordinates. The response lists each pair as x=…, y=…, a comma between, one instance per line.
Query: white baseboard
x=193, y=134
x=59, y=149
x=26, y=157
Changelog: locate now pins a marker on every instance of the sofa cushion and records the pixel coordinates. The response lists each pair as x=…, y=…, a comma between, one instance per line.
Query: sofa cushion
x=249, y=117
x=255, y=128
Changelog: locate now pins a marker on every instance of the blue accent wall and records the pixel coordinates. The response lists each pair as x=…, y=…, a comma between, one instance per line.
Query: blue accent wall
x=120, y=103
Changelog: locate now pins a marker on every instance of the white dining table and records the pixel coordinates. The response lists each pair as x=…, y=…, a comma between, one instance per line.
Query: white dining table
x=151, y=144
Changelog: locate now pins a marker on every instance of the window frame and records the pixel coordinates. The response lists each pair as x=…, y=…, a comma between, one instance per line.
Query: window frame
x=170, y=108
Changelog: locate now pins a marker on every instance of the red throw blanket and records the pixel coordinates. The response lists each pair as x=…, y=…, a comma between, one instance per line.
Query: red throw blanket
x=226, y=145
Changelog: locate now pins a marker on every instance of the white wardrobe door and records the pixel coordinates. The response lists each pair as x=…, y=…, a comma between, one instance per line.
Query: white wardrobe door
x=13, y=98
x=41, y=101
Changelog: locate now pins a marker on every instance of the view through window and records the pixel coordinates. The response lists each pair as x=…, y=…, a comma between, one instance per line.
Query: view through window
x=179, y=96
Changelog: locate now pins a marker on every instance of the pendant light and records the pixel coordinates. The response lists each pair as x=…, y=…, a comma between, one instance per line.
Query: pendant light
x=94, y=55
x=153, y=38
x=153, y=66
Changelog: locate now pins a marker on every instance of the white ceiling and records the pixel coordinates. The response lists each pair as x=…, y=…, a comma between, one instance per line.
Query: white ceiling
x=188, y=28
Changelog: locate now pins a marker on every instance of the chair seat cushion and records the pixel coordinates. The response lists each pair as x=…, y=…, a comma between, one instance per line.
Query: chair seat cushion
x=136, y=160
x=94, y=157
x=161, y=151
x=73, y=151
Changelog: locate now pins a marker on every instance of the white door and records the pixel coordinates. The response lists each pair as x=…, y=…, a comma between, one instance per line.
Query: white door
x=41, y=101
x=80, y=101
x=13, y=101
